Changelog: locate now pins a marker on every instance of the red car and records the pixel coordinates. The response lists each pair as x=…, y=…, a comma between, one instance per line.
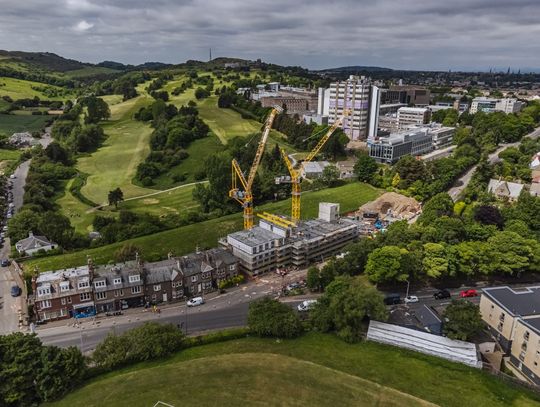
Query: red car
x=468, y=293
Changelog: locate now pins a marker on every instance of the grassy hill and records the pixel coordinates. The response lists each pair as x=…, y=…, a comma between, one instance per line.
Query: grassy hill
x=314, y=370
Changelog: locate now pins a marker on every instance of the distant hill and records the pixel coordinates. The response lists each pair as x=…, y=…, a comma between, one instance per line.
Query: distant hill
x=43, y=60
x=355, y=68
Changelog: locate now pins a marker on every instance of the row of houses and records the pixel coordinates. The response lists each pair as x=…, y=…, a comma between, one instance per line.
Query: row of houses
x=89, y=289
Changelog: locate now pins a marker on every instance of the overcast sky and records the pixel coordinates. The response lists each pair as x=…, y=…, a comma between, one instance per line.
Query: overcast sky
x=408, y=34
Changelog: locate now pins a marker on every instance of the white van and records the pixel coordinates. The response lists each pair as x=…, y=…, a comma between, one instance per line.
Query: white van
x=195, y=301
x=306, y=305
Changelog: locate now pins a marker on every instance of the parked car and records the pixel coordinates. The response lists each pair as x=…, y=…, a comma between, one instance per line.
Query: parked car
x=411, y=299
x=293, y=286
x=392, y=299
x=15, y=291
x=468, y=293
x=195, y=301
x=306, y=305
x=442, y=294
x=4, y=262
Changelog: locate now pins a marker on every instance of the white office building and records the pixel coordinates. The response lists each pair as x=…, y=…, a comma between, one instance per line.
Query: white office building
x=356, y=95
x=489, y=105
x=412, y=116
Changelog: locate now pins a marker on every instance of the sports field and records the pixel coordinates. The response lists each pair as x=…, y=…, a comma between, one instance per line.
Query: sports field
x=185, y=239
x=314, y=370
x=114, y=164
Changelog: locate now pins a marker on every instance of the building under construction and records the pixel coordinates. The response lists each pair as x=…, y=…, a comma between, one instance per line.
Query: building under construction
x=278, y=243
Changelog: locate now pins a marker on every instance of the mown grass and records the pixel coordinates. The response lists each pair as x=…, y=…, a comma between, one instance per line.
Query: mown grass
x=21, y=89
x=313, y=370
x=90, y=71
x=206, y=234
x=10, y=123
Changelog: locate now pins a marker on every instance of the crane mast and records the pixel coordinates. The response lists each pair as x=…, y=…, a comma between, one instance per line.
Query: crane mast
x=244, y=195
x=295, y=173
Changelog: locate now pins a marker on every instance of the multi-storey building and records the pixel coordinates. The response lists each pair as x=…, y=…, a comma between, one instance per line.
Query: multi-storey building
x=390, y=149
x=85, y=290
x=513, y=318
x=489, y=105
x=409, y=94
x=360, y=99
x=64, y=294
x=273, y=245
x=412, y=116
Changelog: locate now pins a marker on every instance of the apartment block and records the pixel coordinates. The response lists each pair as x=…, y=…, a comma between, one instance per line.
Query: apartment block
x=277, y=244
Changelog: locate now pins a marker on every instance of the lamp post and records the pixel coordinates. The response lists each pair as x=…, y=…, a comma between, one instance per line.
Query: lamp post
x=408, y=284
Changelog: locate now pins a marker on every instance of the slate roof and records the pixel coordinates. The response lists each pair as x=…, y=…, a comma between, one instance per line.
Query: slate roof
x=522, y=302
x=33, y=242
x=505, y=188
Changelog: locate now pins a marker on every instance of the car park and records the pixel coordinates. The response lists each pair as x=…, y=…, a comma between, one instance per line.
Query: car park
x=306, y=305
x=442, y=294
x=15, y=291
x=195, y=301
x=411, y=299
x=468, y=293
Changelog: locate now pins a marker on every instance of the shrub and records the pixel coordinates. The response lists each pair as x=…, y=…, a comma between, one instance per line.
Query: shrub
x=269, y=317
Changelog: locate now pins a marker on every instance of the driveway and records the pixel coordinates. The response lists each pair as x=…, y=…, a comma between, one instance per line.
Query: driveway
x=464, y=180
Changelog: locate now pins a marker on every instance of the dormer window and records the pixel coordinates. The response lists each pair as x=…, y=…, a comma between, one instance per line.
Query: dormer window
x=117, y=281
x=100, y=284
x=135, y=278
x=64, y=286
x=83, y=284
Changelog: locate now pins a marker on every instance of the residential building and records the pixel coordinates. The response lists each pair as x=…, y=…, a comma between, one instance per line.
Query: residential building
x=33, y=244
x=513, y=318
x=346, y=168
x=279, y=243
x=23, y=140
x=505, y=189
x=489, y=105
x=390, y=149
x=64, y=294
x=357, y=97
x=412, y=116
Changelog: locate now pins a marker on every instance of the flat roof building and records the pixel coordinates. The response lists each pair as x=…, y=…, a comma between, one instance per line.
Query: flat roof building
x=412, y=116
x=489, y=105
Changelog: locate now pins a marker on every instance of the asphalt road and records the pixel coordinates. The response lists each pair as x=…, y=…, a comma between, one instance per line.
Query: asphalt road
x=464, y=180
x=195, y=320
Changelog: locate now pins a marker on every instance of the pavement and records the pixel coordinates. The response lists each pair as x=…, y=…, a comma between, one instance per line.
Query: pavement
x=464, y=180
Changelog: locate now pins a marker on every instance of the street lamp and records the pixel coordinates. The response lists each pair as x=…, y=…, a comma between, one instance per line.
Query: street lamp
x=408, y=284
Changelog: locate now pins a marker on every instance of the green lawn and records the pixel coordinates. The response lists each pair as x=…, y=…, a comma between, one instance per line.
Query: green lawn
x=21, y=89
x=314, y=370
x=114, y=164
x=11, y=155
x=185, y=239
x=10, y=123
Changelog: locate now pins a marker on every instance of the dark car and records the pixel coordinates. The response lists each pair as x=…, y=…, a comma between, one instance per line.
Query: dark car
x=392, y=299
x=4, y=262
x=442, y=294
x=15, y=291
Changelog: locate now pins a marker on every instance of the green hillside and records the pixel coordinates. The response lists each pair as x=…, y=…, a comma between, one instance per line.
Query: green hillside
x=314, y=370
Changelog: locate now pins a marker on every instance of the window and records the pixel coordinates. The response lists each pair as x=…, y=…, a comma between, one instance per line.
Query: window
x=134, y=279
x=101, y=296
x=136, y=289
x=500, y=326
x=157, y=287
x=154, y=297
x=193, y=279
x=118, y=293
x=85, y=296
x=526, y=335
x=45, y=304
x=177, y=284
x=100, y=283
x=64, y=287
x=69, y=300
x=117, y=281
x=63, y=301
x=233, y=267
x=501, y=318
x=44, y=291
x=522, y=356
x=206, y=275
x=83, y=284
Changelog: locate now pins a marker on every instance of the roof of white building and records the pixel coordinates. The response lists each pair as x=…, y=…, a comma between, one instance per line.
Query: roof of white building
x=423, y=342
x=33, y=242
x=50, y=276
x=315, y=166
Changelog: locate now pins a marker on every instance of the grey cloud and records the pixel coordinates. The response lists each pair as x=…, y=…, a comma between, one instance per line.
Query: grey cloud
x=419, y=34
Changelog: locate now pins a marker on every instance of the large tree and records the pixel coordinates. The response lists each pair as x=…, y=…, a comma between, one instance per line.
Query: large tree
x=387, y=265
x=462, y=320
x=365, y=168
x=269, y=317
x=115, y=197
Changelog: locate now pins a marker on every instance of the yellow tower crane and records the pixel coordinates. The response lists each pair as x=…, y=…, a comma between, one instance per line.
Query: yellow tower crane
x=295, y=173
x=244, y=196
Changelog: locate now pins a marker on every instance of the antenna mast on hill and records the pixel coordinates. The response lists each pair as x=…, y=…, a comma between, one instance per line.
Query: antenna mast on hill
x=210, y=54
